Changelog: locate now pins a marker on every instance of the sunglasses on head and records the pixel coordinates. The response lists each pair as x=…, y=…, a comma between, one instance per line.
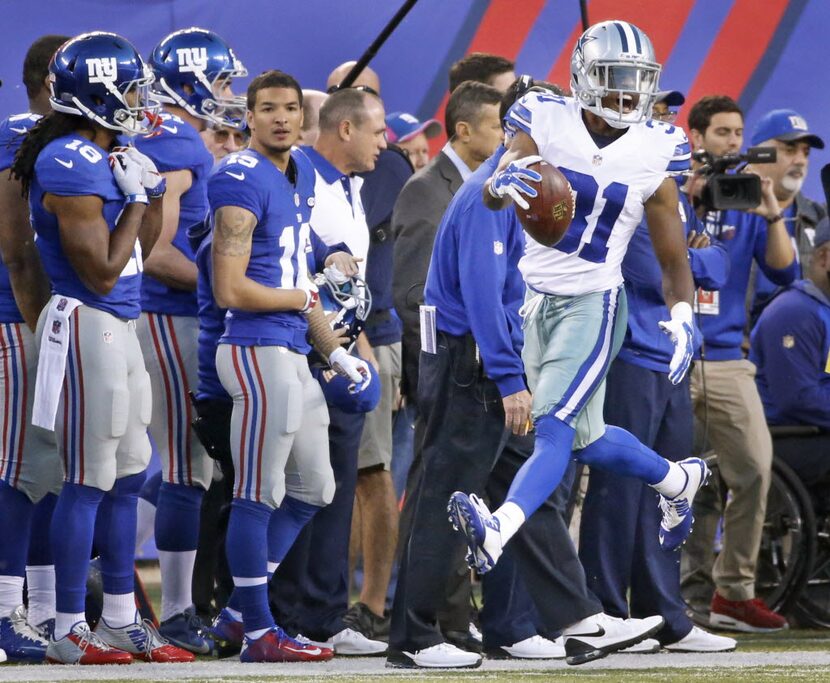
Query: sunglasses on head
x=361, y=88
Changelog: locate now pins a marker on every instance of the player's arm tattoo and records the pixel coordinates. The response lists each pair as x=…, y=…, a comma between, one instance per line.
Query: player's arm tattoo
x=232, y=231
x=322, y=336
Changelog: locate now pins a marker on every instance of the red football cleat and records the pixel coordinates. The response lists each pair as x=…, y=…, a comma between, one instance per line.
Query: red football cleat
x=143, y=641
x=82, y=646
x=276, y=646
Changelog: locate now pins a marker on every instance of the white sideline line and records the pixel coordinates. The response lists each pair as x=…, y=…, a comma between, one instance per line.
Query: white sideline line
x=233, y=670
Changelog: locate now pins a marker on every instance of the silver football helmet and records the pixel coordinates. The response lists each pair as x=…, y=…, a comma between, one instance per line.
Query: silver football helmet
x=615, y=58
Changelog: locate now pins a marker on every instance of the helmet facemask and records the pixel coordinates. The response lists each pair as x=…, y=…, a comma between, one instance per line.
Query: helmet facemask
x=350, y=302
x=141, y=117
x=208, y=102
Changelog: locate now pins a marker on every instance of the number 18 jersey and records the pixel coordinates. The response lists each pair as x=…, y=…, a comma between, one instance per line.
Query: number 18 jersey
x=611, y=184
x=280, y=244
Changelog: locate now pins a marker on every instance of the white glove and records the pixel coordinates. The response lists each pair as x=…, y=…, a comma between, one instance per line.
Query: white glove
x=510, y=181
x=127, y=172
x=350, y=367
x=153, y=181
x=681, y=331
x=335, y=275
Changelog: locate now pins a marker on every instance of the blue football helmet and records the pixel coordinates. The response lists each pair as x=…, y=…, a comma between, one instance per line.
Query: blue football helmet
x=193, y=68
x=350, y=302
x=615, y=58
x=101, y=76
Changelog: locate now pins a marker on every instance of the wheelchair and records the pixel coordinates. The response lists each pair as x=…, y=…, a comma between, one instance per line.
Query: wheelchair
x=793, y=571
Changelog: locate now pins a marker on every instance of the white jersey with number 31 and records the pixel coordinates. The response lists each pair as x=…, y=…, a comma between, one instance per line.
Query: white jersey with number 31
x=611, y=184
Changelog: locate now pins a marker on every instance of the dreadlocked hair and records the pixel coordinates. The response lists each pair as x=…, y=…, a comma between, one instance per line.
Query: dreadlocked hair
x=52, y=126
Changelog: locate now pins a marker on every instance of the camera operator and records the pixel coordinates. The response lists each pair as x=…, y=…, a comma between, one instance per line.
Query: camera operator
x=787, y=131
x=724, y=394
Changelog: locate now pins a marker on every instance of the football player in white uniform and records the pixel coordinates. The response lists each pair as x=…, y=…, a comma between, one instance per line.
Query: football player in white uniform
x=619, y=164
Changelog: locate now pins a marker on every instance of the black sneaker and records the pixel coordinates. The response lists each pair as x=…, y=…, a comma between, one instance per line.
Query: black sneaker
x=363, y=620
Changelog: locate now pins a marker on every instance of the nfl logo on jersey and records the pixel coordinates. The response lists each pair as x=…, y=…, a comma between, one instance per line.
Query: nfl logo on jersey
x=56, y=327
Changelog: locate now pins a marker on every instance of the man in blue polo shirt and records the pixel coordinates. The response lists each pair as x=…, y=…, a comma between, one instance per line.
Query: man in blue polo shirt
x=790, y=345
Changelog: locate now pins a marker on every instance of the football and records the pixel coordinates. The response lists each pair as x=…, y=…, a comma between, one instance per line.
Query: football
x=551, y=210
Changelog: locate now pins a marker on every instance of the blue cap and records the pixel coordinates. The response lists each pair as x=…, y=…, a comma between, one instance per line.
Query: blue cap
x=401, y=127
x=672, y=98
x=337, y=391
x=785, y=125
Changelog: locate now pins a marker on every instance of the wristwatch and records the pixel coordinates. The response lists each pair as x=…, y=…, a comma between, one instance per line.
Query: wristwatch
x=774, y=219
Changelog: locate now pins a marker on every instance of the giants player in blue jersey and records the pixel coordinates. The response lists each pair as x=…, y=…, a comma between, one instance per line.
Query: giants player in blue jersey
x=261, y=202
x=30, y=470
x=193, y=70
x=96, y=211
x=617, y=162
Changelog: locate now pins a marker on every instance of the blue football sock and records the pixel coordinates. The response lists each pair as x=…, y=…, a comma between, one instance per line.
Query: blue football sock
x=40, y=543
x=286, y=523
x=620, y=452
x=73, y=526
x=539, y=476
x=247, y=550
x=16, y=512
x=115, y=534
x=178, y=511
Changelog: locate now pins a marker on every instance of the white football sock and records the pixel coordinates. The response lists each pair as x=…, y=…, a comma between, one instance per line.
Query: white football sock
x=673, y=483
x=119, y=610
x=64, y=621
x=11, y=594
x=176, y=581
x=40, y=583
x=511, y=517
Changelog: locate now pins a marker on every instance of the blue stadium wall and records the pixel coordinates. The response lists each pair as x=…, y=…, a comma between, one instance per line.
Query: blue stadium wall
x=765, y=53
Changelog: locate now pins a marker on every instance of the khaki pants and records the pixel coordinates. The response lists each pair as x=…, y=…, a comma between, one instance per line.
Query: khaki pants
x=737, y=430
x=376, y=441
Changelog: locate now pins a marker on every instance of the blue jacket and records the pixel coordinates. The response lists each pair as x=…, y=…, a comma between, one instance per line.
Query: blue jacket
x=645, y=343
x=744, y=236
x=790, y=345
x=474, y=280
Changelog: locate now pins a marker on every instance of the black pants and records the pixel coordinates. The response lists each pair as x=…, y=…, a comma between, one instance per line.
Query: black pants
x=464, y=436
x=310, y=590
x=454, y=612
x=212, y=581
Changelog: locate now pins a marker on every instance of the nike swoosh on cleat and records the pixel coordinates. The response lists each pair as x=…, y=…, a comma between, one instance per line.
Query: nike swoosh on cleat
x=304, y=651
x=597, y=634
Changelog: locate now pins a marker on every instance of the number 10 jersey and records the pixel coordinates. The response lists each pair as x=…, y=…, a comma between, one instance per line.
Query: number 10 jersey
x=611, y=184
